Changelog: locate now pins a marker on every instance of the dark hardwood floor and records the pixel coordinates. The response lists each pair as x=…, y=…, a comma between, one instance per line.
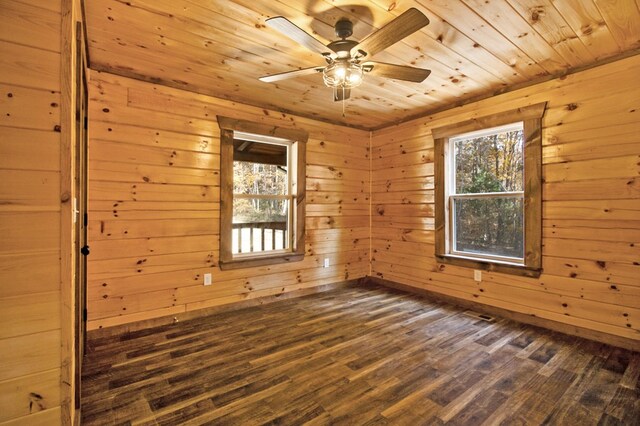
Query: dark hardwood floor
x=357, y=356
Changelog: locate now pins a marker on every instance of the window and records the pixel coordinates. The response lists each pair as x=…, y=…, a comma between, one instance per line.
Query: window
x=488, y=192
x=262, y=199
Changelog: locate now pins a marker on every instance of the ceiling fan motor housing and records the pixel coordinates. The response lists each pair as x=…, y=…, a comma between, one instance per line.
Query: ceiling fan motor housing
x=344, y=28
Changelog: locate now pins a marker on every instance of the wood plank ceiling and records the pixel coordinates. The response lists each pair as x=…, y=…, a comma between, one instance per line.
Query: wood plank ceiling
x=474, y=48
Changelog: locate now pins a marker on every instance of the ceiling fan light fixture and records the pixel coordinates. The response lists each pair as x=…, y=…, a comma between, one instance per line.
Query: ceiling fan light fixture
x=343, y=74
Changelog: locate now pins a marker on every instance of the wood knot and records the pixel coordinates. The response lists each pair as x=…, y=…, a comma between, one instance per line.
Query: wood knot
x=572, y=107
x=36, y=401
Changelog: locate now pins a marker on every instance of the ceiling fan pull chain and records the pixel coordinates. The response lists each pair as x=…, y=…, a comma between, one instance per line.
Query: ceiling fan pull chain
x=343, y=101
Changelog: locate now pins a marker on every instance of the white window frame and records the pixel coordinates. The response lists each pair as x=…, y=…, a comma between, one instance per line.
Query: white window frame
x=289, y=196
x=451, y=195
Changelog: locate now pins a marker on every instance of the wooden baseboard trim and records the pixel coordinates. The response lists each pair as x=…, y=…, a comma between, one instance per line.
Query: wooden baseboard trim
x=116, y=330
x=573, y=330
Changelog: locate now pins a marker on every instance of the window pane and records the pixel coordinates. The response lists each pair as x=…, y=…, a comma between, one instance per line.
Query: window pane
x=259, y=225
x=490, y=163
x=259, y=179
x=259, y=168
x=491, y=226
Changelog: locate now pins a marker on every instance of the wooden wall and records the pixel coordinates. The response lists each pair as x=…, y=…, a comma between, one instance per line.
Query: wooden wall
x=591, y=204
x=154, y=204
x=36, y=311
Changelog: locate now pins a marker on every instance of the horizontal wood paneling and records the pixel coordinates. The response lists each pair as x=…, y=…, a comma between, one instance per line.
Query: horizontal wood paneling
x=29, y=354
x=30, y=313
x=591, y=204
x=19, y=398
x=30, y=305
x=154, y=204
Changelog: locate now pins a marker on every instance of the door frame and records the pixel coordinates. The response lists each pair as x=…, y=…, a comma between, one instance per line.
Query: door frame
x=80, y=209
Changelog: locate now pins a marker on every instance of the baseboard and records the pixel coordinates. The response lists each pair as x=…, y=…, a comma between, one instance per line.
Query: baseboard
x=116, y=330
x=573, y=330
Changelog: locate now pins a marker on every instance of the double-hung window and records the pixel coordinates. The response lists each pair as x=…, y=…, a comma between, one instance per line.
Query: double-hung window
x=488, y=192
x=262, y=194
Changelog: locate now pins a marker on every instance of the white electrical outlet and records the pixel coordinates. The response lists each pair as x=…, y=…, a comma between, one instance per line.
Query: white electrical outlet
x=207, y=279
x=477, y=275
x=326, y=262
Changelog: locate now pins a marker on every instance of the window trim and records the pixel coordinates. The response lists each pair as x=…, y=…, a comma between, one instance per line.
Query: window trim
x=531, y=118
x=299, y=140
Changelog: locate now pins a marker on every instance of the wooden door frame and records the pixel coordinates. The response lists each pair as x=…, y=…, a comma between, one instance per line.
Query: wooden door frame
x=80, y=205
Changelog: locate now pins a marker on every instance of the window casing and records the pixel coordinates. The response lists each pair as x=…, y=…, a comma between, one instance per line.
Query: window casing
x=262, y=194
x=490, y=222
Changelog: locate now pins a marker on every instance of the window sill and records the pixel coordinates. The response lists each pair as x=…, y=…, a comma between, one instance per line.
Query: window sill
x=487, y=265
x=252, y=262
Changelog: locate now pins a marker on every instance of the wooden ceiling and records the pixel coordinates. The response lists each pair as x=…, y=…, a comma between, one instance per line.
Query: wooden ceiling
x=473, y=47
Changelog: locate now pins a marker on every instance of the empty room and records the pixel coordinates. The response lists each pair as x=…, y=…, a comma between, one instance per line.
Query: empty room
x=323, y=212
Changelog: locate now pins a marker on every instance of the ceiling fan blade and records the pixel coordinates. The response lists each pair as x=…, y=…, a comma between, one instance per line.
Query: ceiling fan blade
x=341, y=93
x=290, y=74
x=402, y=26
x=296, y=33
x=397, y=72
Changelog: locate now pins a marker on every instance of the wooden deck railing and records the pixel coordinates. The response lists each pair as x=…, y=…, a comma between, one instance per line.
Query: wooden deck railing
x=261, y=227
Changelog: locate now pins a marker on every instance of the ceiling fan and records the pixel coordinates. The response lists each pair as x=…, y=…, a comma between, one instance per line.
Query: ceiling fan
x=346, y=67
